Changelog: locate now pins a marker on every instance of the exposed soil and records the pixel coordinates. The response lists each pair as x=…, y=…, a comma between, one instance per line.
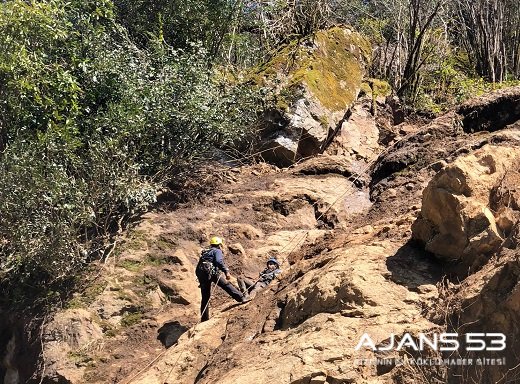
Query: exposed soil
x=342, y=228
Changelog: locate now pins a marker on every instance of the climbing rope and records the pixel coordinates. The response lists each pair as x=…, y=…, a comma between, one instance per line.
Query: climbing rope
x=163, y=352
x=301, y=238
x=342, y=195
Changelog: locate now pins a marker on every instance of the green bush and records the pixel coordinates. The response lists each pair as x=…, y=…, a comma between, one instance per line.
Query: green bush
x=90, y=126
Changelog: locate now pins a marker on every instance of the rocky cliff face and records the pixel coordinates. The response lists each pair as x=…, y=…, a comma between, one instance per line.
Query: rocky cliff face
x=419, y=237
x=315, y=81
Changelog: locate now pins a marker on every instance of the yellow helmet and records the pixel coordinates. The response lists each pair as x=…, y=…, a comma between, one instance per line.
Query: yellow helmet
x=215, y=240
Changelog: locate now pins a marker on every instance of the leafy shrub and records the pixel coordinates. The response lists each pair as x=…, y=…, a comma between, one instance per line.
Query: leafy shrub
x=90, y=126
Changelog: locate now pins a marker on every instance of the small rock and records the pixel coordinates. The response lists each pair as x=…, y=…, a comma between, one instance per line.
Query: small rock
x=269, y=326
x=426, y=288
x=437, y=166
x=368, y=229
x=391, y=192
x=352, y=313
x=318, y=380
x=505, y=219
x=236, y=249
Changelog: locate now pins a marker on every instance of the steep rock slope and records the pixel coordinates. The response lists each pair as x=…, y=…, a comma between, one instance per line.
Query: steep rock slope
x=369, y=279
x=350, y=268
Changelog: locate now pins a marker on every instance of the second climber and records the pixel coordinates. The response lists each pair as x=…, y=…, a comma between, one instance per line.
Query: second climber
x=271, y=272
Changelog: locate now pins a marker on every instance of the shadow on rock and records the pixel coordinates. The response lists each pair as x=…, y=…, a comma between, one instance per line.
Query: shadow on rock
x=170, y=332
x=414, y=267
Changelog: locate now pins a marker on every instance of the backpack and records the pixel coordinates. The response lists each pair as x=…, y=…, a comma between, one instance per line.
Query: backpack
x=207, y=255
x=206, y=263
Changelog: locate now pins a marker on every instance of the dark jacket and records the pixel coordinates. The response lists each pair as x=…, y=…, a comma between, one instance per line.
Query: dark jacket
x=267, y=275
x=216, y=257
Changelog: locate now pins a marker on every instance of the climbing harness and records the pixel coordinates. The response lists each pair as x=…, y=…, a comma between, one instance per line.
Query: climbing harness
x=208, y=268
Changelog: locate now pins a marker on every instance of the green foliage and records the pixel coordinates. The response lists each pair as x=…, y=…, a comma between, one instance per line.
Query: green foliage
x=171, y=108
x=375, y=29
x=80, y=358
x=179, y=22
x=131, y=265
x=39, y=64
x=472, y=87
x=87, y=296
x=101, y=103
x=108, y=329
x=448, y=79
x=90, y=125
x=130, y=319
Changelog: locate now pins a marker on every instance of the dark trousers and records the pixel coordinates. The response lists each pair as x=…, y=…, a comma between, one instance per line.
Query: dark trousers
x=251, y=286
x=205, y=290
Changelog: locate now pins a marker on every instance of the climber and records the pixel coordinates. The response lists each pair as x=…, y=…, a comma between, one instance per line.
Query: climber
x=265, y=278
x=208, y=271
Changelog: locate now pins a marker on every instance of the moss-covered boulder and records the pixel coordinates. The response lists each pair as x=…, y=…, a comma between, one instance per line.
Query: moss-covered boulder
x=316, y=80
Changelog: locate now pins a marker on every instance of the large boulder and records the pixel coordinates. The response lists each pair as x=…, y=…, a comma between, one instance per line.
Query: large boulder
x=316, y=80
x=456, y=222
x=358, y=138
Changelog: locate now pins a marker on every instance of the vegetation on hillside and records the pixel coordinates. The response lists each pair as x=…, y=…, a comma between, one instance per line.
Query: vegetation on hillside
x=91, y=124
x=104, y=101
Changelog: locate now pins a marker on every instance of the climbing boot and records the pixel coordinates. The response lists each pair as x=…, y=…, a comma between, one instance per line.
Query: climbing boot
x=246, y=298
